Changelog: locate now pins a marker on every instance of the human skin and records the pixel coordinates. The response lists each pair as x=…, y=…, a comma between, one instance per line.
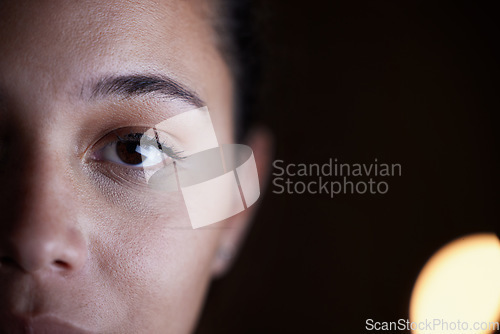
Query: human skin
x=78, y=244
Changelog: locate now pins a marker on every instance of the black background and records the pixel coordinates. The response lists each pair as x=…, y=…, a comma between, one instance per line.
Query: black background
x=408, y=82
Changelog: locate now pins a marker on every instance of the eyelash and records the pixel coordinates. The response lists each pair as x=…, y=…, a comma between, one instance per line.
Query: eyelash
x=138, y=137
x=163, y=146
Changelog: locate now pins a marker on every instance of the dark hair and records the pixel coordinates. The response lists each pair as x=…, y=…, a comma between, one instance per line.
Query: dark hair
x=237, y=28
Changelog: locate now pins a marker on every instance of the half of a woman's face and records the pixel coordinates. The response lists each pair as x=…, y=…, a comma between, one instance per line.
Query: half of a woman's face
x=83, y=240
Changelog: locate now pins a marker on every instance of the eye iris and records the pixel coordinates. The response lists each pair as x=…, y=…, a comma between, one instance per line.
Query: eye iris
x=126, y=151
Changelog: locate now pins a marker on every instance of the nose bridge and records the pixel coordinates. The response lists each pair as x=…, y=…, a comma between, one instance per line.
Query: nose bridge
x=45, y=233
x=47, y=176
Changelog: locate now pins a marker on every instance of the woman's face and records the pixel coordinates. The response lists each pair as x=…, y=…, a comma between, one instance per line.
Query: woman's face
x=82, y=239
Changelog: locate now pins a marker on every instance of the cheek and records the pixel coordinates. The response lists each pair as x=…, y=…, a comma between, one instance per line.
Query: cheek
x=151, y=264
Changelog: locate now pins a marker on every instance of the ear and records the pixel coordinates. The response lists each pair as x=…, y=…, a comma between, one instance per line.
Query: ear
x=233, y=232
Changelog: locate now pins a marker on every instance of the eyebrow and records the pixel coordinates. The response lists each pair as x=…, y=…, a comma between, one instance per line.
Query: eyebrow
x=145, y=84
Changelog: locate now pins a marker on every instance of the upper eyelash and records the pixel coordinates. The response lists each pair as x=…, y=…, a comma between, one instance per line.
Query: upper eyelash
x=138, y=136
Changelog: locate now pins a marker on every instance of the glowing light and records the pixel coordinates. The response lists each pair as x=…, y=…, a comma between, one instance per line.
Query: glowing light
x=461, y=282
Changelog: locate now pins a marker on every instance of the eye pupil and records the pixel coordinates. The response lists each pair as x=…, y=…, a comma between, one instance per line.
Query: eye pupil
x=126, y=151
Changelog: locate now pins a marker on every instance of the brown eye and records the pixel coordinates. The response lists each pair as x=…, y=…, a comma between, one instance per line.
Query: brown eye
x=137, y=148
x=134, y=151
x=127, y=152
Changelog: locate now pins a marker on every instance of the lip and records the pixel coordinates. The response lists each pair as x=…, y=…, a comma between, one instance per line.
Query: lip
x=46, y=324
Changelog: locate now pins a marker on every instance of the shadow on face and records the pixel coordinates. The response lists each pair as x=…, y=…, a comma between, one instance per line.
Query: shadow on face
x=83, y=244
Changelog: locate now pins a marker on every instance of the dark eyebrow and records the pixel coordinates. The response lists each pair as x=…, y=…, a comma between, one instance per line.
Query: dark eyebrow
x=137, y=85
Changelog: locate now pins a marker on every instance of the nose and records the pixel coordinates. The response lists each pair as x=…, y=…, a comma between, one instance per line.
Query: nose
x=45, y=245
x=44, y=234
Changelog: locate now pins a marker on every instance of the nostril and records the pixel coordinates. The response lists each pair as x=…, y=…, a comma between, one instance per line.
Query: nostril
x=61, y=264
x=9, y=262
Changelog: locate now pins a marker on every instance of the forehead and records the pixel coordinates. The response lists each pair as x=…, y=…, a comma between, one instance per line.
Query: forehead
x=65, y=42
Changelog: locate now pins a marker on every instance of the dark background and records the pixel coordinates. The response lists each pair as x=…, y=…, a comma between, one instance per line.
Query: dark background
x=408, y=82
